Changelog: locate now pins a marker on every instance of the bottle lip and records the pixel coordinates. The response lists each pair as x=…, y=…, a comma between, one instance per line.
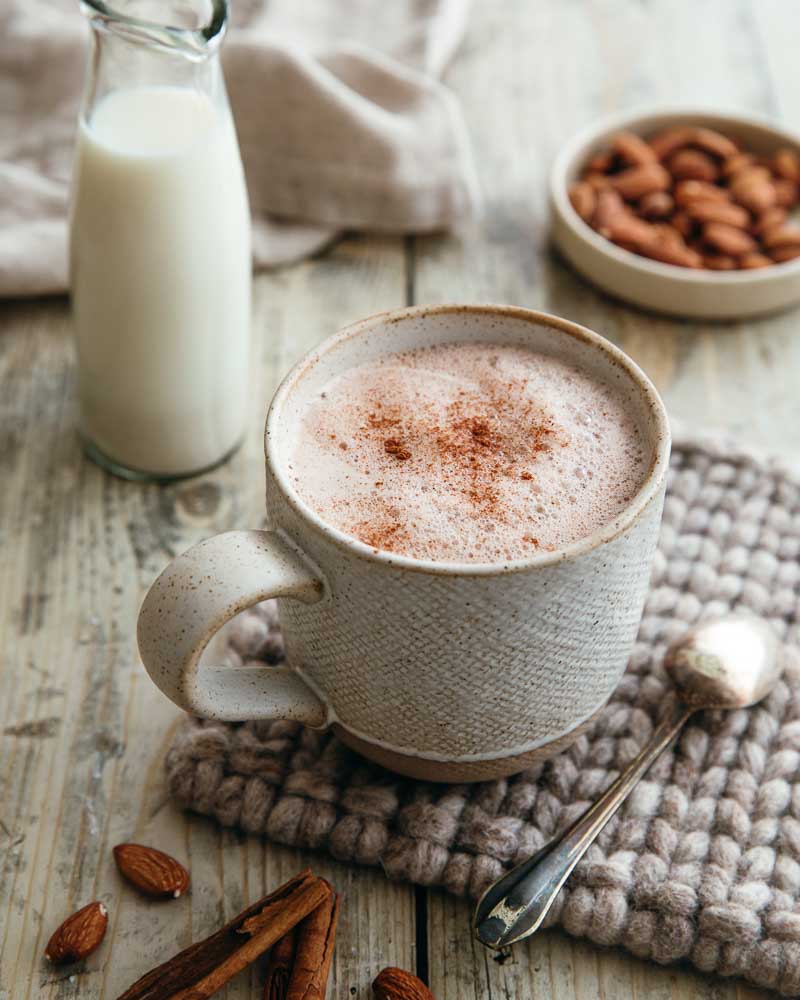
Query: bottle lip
x=195, y=42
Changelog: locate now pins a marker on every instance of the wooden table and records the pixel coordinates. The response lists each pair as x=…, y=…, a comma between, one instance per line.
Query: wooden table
x=83, y=731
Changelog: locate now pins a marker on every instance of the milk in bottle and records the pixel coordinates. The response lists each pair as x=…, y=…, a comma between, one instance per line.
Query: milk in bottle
x=160, y=264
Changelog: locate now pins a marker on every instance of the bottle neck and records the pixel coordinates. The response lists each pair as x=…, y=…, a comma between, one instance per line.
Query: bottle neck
x=121, y=58
x=193, y=31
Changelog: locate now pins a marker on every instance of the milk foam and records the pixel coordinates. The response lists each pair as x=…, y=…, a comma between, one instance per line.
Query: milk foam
x=468, y=453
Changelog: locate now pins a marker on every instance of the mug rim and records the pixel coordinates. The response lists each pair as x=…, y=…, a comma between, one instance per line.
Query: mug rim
x=648, y=491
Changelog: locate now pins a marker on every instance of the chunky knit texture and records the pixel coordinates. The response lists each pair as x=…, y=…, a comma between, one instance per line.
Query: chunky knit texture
x=703, y=861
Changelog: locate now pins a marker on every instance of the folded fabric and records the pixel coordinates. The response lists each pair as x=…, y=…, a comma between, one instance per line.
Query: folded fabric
x=341, y=123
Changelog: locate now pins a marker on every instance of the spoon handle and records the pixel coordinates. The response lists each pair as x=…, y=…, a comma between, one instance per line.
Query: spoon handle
x=515, y=905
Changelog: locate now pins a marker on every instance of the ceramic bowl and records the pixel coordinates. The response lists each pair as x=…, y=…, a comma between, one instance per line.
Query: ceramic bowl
x=664, y=288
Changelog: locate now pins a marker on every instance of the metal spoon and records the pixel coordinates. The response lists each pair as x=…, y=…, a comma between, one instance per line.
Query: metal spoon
x=730, y=662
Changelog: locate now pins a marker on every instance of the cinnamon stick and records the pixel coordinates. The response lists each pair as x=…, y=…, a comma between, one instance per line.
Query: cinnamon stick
x=279, y=969
x=312, y=962
x=201, y=969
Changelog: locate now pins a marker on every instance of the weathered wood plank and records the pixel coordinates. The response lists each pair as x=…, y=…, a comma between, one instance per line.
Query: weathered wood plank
x=530, y=75
x=82, y=729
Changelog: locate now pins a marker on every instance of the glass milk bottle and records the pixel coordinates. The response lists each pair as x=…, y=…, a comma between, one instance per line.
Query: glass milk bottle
x=159, y=243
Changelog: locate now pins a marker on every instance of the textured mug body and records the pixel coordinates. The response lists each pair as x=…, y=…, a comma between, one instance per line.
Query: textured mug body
x=439, y=670
x=466, y=668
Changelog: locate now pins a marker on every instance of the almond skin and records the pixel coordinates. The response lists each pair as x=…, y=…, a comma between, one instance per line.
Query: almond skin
x=728, y=240
x=690, y=164
x=151, y=871
x=395, y=984
x=787, y=164
x=635, y=182
x=714, y=210
x=79, y=935
x=633, y=149
x=583, y=198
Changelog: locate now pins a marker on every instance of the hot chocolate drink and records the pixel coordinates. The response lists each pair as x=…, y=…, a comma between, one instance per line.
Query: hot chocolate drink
x=468, y=453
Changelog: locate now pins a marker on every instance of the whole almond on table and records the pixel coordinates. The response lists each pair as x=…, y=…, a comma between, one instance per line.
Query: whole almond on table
x=152, y=871
x=395, y=984
x=79, y=935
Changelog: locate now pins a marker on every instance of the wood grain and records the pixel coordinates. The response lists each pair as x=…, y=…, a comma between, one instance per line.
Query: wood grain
x=82, y=730
x=559, y=66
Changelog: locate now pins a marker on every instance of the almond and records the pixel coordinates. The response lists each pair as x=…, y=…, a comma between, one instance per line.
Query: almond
x=751, y=261
x=733, y=164
x=780, y=236
x=597, y=181
x=395, y=984
x=714, y=143
x=633, y=149
x=781, y=254
x=682, y=222
x=689, y=191
x=753, y=189
x=690, y=164
x=635, y=182
x=79, y=935
x=583, y=199
x=609, y=207
x=665, y=143
x=628, y=228
x=767, y=220
x=669, y=252
x=714, y=210
x=787, y=164
x=600, y=163
x=728, y=239
x=656, y=205
x=720, y=262
x=151, y=871
x=786, y=192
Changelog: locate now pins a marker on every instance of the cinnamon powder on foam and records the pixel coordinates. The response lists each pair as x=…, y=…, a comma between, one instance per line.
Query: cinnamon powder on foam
x=468, y=453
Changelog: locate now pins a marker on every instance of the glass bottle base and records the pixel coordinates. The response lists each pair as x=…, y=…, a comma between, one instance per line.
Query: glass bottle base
x=140, y=475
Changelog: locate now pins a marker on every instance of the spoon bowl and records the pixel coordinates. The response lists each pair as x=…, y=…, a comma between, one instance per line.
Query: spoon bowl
x=723, y=663
x=730, y=662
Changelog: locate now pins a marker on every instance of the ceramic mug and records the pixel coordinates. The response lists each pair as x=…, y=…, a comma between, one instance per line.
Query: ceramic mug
x=442, y=671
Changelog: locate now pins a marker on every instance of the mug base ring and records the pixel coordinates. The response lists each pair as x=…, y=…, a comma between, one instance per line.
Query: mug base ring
x=423, y=769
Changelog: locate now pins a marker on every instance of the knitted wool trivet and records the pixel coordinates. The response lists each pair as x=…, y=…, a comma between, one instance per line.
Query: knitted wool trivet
x=703, y=862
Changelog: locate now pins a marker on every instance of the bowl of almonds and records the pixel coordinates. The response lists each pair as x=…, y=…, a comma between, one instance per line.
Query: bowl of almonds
x=684, y=212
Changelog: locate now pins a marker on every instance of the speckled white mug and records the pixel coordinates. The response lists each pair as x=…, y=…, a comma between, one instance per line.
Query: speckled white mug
x=442, y=671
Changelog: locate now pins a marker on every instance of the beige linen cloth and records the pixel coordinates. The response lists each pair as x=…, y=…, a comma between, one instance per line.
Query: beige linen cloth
x=341, y=120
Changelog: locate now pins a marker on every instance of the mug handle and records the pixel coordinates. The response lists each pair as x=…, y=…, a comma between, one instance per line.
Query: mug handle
x=192, y=599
